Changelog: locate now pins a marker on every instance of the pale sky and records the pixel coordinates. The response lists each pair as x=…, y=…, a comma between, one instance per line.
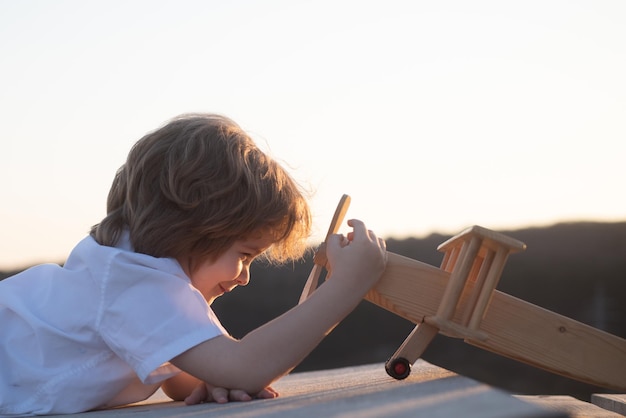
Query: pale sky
x=434, y=116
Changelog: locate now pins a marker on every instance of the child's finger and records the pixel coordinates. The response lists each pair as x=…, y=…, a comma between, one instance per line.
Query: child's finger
x=357, y=225
x=198, y=395
x=267, y=393
x=239, y=395
x=220, y=395
x=360, y=230
x=336, y=240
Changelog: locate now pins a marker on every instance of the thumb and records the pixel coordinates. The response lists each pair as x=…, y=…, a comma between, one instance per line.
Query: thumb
x=337, y=241
x=198, y=395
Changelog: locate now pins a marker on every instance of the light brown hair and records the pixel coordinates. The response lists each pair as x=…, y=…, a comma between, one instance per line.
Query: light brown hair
x=197, y=185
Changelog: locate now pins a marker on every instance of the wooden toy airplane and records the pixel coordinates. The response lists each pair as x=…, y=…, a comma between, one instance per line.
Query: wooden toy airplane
x=459, y=300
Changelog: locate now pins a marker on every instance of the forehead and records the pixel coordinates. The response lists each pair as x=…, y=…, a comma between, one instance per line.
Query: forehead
x=258, y=241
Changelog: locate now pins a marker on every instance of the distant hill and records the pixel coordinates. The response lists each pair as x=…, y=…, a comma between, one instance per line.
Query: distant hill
x=575, y=269
x=5, y=274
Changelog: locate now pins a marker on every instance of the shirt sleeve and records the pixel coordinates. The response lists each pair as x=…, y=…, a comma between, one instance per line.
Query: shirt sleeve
x=150, y=312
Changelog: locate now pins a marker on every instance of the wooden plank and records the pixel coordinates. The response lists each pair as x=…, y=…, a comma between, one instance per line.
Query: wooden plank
x=409, y=288
x=528, y=333
x=363, y=391
x=515, y=328
x=491, y=240
x=320, y=256
x=574, y=407
x=615, y=403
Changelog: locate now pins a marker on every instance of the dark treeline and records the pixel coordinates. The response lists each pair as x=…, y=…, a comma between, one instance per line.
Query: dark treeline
x=576, y=269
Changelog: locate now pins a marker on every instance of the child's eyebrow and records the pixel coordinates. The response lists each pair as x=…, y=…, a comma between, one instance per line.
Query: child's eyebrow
x=254, y=250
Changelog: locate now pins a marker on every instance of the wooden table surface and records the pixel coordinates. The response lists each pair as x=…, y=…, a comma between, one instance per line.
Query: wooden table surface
x=367, y=391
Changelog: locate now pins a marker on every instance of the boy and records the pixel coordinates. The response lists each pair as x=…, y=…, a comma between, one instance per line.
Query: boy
x=195, y=203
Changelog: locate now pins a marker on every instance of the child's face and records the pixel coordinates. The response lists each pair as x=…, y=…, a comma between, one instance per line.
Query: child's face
x=231, y=269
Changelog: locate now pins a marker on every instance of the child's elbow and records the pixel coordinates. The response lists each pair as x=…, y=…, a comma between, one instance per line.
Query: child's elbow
x=223, y=362
x=180, y=386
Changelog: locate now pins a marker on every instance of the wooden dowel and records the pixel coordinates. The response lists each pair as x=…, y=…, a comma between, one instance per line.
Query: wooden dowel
x=478, y=285
x=452, y=259
x=458, y=277
x=490, y=284
x=416, y=343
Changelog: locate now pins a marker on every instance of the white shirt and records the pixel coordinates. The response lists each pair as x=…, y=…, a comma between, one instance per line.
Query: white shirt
x=98, y=332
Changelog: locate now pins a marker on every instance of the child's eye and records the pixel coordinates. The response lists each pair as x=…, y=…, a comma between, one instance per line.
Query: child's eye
x=246, y=257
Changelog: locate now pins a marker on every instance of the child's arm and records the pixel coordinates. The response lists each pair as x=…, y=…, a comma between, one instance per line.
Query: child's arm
x=269, y=352
x=180, y=386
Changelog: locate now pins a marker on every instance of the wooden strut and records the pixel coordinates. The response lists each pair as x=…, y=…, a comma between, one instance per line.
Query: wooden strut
x=460, y=300
x=320, y=257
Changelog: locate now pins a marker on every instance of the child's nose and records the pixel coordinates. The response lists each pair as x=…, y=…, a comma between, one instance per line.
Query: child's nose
x=244, y=277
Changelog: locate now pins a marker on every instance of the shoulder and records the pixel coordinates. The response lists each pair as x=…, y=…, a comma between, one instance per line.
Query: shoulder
x=120, y=262
x=27, y=284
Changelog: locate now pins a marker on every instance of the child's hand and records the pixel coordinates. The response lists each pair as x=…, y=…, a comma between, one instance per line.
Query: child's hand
x=361, y=255
x=209, y=393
